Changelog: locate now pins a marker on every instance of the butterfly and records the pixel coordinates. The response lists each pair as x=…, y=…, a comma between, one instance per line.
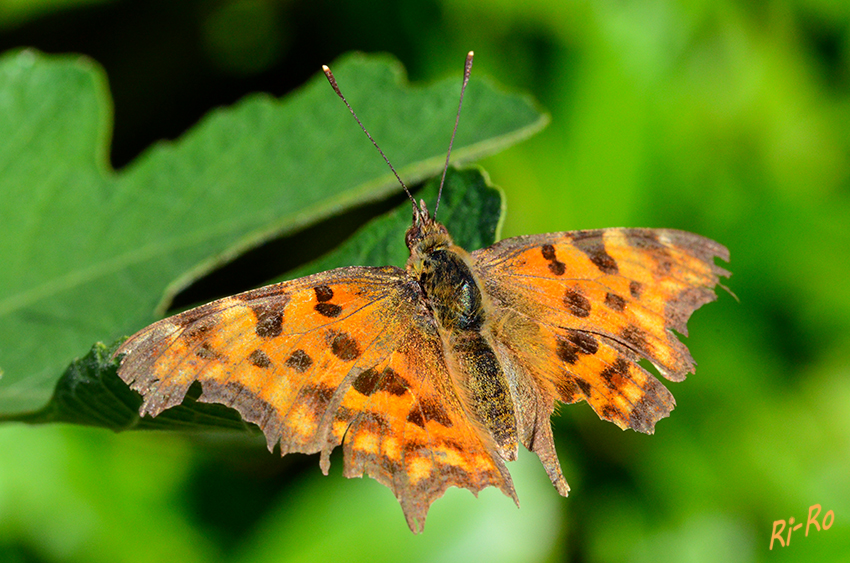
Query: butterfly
x=432, y=375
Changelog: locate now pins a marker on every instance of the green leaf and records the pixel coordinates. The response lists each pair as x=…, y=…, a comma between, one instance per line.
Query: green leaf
x=91, y=254
x=471, y=209
x=90, y=392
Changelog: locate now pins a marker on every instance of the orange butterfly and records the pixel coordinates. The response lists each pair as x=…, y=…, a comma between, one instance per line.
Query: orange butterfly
x=431, y=376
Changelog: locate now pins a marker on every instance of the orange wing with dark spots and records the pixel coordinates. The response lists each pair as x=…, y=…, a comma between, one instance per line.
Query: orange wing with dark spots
x=593, y=303
x=349, y=357
x=404, y=425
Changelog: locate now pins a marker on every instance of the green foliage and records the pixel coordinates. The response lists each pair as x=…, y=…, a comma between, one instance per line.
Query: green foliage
x=15, y=12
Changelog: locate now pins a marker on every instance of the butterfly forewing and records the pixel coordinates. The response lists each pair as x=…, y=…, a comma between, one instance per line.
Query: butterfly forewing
x=288, y=343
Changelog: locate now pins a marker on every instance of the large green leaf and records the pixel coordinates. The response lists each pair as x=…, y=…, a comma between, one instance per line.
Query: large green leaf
x=90, y=254
x=90, y=392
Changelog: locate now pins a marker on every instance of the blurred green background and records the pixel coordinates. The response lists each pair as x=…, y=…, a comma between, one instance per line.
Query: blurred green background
x=729, y=119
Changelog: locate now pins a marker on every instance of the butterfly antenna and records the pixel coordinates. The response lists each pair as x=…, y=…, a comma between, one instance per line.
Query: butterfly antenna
x=332, y=80
x=466, y=70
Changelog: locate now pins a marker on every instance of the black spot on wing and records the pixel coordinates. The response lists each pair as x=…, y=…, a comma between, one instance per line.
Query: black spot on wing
x=323, y=293
x=367, y=382
x=555, y=266
x=584, y=342
x=259, y=359
x=269, y=320
x=567, y=390
x=299, y=360
x=370, y=382
x=636, y=289
x=343, y=345
x=393, y=383
x=576, y=302
x=615, y=302
x=428, y=410
x=594, y=248
x=567, y=352
x=575, y=343
x=615, y=373
x=328, y=309
x=415, y=417
x=583, y=385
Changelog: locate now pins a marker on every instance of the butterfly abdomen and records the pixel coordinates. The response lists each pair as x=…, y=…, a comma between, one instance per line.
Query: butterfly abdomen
x=456, y=300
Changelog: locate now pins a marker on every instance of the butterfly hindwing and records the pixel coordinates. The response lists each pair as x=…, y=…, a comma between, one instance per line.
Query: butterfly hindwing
x=597, y=302
x=410, y=431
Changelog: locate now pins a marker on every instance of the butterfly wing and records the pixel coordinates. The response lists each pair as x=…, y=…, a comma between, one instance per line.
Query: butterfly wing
x=584, y=307
x=350, y=356
x=574, y=313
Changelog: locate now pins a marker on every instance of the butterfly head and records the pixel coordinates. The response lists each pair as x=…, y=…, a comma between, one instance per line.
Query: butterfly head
x=425, y=235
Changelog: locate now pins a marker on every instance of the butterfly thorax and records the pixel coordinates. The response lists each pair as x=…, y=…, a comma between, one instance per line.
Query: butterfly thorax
x=445, y=276
x=453, y=291
x=459, y=306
